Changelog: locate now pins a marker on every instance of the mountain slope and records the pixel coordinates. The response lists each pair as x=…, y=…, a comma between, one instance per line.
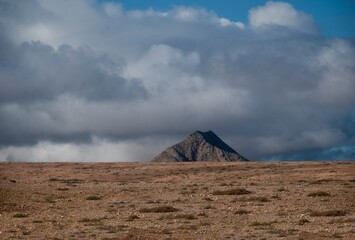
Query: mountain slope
x=200, y=147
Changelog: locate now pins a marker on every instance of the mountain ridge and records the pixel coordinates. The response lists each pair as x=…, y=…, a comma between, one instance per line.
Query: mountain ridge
x=200, y=147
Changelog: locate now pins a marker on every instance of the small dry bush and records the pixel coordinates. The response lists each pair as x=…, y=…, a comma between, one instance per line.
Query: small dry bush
x=20, y=215
x=303, y=221
x=328, y=213
x=161, y=209
x=132, y=218
x=235, y=191
x=242, y=212
x=319, y=194
x=251, y=199
x=208, y=199
x=179, y=216
x=94, y=197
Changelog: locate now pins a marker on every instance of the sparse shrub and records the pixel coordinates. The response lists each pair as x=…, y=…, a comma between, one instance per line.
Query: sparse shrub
x=242, y=212
x=329, y=213
x=111, y=210
x=162, y=209
x=319, y=194
x=166, y=231
x=262, y=223
x=208, y=199
x=281, y=213
x=303, y=221
x=202, y=214
x=37, y=221
x=20, y=215
x=343, y=220
x=92, y=221
x=132, y=217
x=94, y=197
x=50, y=199
x=209, y=207
x=258, y=199
x=275, y=196
x=179, y=216
x=185, y=216
x=235, y=191
x=251, y=199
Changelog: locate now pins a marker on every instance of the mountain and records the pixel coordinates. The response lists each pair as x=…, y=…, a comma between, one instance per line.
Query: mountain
x=200, y=147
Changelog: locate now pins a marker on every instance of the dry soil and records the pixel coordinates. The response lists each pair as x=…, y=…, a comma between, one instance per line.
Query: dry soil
x=297, y=200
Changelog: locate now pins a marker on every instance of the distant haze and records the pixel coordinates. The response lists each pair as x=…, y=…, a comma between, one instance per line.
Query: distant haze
x=91, y=81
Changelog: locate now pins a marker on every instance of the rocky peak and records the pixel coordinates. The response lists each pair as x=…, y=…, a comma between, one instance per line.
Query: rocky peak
x=200, y=146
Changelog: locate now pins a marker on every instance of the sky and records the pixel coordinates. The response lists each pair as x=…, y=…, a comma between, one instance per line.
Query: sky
x=96, y=80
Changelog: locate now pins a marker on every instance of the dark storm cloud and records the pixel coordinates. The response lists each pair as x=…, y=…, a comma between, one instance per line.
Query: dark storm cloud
x=82, y=75
x=37, y=72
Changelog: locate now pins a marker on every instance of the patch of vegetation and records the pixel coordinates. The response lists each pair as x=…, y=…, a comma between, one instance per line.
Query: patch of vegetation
x=50, y=199
x=94, y=197
x=37, y=221
x=208, y=199
x=188, y=227
x=202, y=214
x=132, y=218
x=20, y=215
x=343, y=220
x=281, y=213
x=337, y=235
x=283, y=233
x=328, y=213
x=251, y=199
x=92, y=221
x=209, y=207
x=303, y=221
x=319, y=194
x=166, y=231
x=111, y=210
x=69, y=181
x=161, y=209
x=320, y=181
x=242, y=212
x=185, y=192
x=179, y=216
x=235, y=191
x=275, y=196
x=185, y=216
x=262, y=224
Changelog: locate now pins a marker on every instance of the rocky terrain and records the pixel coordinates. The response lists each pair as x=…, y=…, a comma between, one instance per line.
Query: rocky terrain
x=200, y=147
x=242, y=200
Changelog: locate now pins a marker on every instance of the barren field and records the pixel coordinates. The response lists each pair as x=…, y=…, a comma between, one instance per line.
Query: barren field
x=303, y=200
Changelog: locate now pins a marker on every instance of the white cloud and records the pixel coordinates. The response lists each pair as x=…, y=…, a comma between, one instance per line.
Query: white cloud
x=281, y=14
x=226, y=22
x=91, y=80
x=113, y=9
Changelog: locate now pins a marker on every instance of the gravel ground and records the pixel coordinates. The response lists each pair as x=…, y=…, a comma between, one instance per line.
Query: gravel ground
x=252, y=200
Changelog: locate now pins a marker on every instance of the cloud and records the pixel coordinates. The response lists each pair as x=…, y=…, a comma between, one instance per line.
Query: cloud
x=99, y=83
x=281, y=14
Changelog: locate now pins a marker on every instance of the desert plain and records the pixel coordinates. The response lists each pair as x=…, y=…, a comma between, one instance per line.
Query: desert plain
x=243, y=200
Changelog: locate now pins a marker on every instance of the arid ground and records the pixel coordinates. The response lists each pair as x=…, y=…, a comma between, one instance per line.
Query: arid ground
x=298, y=200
